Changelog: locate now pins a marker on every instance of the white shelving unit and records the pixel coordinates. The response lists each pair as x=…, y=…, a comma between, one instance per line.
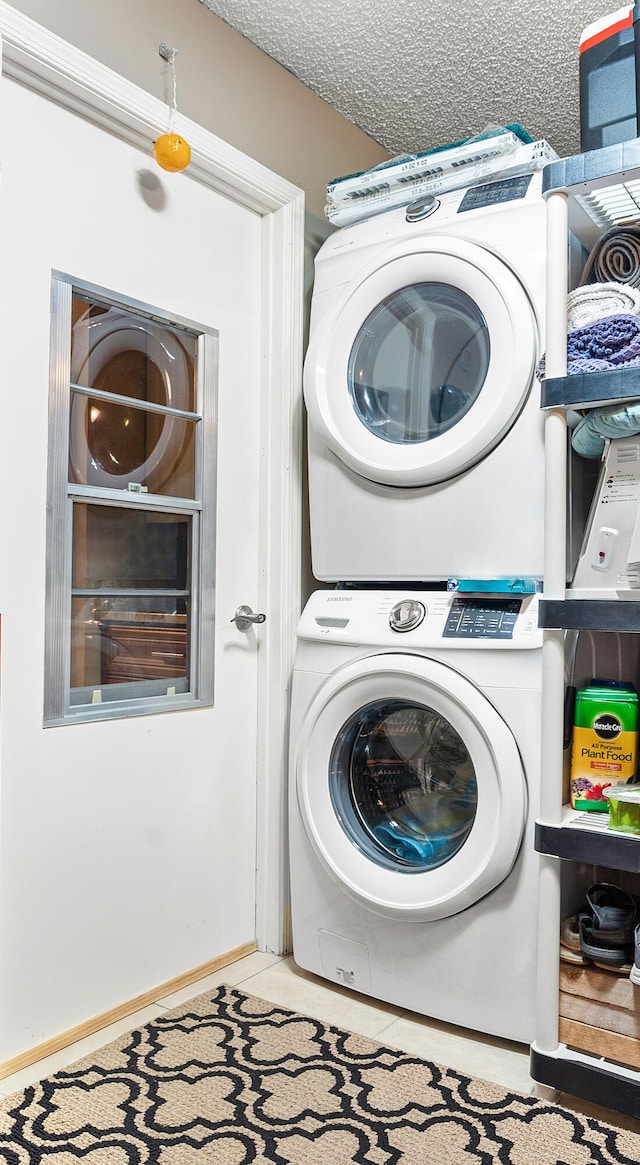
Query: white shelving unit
x=586, y=194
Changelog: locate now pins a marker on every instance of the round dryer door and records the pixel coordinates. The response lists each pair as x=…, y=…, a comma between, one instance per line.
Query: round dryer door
x=410, y=786
x=423, y=363
x=132, y=430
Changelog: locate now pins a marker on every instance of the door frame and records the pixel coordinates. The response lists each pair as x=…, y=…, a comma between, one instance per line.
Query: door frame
x=46, y=63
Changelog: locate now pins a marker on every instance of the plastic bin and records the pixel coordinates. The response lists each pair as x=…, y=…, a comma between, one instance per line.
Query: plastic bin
x=607, y=81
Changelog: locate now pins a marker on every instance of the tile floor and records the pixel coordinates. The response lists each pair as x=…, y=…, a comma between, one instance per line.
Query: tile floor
x=280, y=981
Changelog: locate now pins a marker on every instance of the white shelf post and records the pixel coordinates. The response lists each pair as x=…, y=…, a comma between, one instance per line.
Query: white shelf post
x=550, y=810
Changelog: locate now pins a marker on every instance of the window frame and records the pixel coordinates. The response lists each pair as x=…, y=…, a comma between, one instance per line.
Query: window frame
x=62, y=494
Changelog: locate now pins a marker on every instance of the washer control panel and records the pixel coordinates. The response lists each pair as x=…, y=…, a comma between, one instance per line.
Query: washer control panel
x=482, y=619
x=419, y=619
x=406, y=615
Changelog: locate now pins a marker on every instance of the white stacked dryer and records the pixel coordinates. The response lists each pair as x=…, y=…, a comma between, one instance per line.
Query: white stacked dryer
x=425, y=434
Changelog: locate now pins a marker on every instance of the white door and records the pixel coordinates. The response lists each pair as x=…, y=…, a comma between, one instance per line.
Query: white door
x=423, y=363
x=410, y=786
x=128, y=846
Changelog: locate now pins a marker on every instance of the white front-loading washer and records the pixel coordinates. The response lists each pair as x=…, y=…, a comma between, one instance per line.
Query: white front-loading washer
x=414, y=779
x=425, y=433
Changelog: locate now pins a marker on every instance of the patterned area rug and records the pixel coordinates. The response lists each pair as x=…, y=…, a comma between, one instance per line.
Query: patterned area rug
x=227, y=1079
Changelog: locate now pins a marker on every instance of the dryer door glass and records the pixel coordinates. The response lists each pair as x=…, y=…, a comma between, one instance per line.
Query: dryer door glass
x=403, y=785
x=418, y=363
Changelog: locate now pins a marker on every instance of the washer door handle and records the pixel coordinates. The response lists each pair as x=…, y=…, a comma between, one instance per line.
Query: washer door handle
x=245, y=616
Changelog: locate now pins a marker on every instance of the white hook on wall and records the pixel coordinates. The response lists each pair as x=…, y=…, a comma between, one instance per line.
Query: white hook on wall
x=169, y=54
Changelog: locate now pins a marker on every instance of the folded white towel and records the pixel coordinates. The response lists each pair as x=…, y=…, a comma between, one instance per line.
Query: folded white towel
x=594, y=301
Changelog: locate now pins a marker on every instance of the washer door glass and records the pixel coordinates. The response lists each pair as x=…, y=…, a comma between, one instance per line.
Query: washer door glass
x=419, y=366
x=409, y=786
x=418, y=362
x=403, y=784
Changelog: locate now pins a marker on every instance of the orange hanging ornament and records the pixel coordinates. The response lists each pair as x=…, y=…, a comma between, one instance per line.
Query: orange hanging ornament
x=170, y=150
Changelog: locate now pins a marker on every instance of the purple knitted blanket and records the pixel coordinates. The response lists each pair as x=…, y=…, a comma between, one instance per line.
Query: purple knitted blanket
x=612, y=342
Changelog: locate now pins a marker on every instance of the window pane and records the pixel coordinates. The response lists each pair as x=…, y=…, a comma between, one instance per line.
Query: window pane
x=118, y=351
x=111, y=445
x=116, y=547
x=122, y=640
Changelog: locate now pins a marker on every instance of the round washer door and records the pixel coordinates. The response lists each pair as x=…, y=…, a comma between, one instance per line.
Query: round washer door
x=422, y=364
x=410, y=786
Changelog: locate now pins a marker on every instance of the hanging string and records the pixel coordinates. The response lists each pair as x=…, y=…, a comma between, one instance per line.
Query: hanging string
x=168, y=54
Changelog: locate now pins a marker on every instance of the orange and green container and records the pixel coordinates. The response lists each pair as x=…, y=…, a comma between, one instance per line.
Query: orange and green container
x=605, y=743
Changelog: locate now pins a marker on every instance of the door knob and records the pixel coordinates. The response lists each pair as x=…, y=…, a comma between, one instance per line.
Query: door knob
x=244, y=617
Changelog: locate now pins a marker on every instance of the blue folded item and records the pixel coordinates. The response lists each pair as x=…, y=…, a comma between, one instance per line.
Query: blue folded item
x=431, y=850
x=494, y=586
x=610, y=421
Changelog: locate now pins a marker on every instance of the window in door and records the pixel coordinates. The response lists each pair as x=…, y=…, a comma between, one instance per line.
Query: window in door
x=131, y=531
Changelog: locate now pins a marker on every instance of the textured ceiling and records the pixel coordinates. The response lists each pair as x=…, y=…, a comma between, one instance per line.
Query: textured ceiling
x=419, y=73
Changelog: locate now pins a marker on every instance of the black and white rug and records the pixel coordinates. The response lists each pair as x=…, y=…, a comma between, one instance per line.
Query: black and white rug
x=228, y=1079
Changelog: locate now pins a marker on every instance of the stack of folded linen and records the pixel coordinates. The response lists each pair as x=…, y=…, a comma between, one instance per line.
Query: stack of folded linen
x=603, y=333
x=612, y=341
x=603, y=322
x=507, y=152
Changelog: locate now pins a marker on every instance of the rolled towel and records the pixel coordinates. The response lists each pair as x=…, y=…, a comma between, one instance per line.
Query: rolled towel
x=612, y=342
x=616, y=256
x=590, y=434
x=596, y=300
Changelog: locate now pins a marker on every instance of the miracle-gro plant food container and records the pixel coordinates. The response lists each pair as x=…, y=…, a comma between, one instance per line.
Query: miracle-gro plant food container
x=605, y=743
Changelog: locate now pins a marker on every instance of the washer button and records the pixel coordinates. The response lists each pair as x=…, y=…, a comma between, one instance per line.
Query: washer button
x=406, y=615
